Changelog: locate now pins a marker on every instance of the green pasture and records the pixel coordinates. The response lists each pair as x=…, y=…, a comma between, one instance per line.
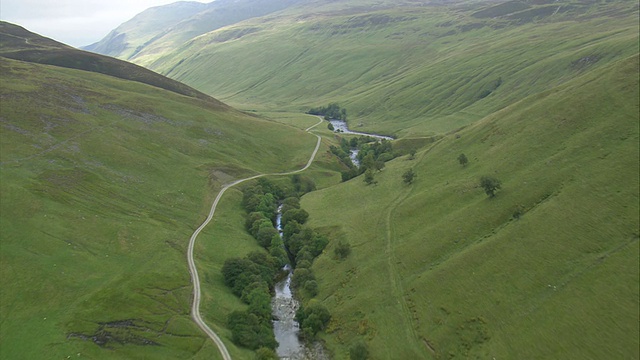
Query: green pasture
x=439, y=269
x=103, y=181
x=403, y=70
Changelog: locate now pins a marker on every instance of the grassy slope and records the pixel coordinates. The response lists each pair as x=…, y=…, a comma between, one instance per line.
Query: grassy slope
x=20, y=44
x=228, y=228
x=129, y=38
x=321, y=64
x=439, y=263
x=415, y=70
x=160, y=29
x=217, y=15
x=102, y=182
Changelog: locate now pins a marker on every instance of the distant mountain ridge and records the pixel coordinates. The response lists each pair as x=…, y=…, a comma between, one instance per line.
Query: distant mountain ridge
x=159, y=28
x=103, y=180
x=404, y=67
x=20, y=44
x=144, y=27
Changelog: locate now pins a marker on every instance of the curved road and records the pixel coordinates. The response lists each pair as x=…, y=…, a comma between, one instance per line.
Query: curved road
x=195, y=306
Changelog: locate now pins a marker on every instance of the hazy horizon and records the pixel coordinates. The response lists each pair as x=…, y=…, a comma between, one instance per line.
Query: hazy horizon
x=75, y=22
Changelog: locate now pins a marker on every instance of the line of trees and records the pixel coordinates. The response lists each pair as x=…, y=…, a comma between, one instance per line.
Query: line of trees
x=372, y=155
x=303, y=245
x=331, y=111
x=253, y=277
x=312, y=318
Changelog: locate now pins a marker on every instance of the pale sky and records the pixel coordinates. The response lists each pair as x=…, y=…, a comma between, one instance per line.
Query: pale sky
x=74, y=22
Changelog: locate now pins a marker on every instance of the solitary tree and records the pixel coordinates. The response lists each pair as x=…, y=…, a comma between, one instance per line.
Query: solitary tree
x=409, y=176
x=462, y=159
x=359, y=351
x=379, y=165
x=312, y=318
x=342, y=250
x=412, y=154
x=368, y=162
x=311, y=287
x=368, y=177
x=490, y=185
x=518, y=211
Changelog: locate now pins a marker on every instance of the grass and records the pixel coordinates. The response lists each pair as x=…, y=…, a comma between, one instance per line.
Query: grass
x=20, y=44
x=147, y=36
x=103, y=181
x=440, y=265
x=415, y=70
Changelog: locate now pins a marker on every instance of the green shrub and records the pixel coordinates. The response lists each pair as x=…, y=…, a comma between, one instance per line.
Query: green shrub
x=301, y=276
x=311, y=287
x=266, y=354
x=490, y=185
x=462, y=159
x=298, y=215
x=342, y=250
x=261, y=222
x=359, y=351
x=312, y=318
x=251, y=331
x=265, y=234
x=408, y=176
x=331, y=111
x=277, y=251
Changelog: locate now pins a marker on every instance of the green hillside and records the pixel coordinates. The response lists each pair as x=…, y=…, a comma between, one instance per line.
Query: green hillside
x=106, y=168
x=131, y=37
x=20, y=44
x=160, y=29
x=547, y=269
x=102, y=182
x=405, y=68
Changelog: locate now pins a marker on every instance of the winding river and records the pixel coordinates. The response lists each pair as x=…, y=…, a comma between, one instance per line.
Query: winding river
x=341, y=126
x=283, y=308
x=284, y=305
x=285, y=327
x=193, y=270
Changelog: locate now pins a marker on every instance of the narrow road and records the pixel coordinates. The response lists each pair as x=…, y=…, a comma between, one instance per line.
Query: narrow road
x=195, y=306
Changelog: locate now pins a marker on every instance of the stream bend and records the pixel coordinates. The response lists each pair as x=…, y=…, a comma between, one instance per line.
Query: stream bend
x=195, y=280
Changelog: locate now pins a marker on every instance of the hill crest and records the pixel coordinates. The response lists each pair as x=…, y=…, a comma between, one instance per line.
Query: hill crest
x=18, y=43
x=157, y=29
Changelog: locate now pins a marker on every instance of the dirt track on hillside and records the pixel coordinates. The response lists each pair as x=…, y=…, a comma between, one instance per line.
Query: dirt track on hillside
x=195, y=280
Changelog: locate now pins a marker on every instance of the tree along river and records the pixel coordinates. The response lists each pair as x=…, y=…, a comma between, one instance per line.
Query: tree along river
x=284, y=305
x=340, y=126
x=285, y=327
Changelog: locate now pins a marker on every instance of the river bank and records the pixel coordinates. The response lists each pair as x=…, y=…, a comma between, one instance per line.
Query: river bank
x=342, y=127
x=284, y=304
x=286, y=329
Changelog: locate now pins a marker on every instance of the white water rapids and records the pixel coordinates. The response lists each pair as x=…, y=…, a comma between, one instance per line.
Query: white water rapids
x=283, y=308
